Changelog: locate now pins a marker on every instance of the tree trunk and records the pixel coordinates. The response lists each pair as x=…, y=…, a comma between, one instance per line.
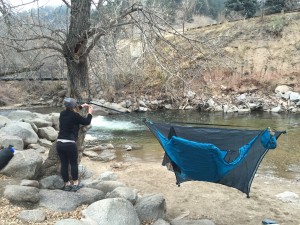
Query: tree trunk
x=74, y=50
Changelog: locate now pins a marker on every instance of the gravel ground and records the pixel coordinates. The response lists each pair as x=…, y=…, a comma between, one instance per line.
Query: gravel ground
x=9, y=212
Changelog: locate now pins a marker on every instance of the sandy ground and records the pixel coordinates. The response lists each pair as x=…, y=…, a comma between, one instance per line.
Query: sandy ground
x=198, y=200
x=194, y=200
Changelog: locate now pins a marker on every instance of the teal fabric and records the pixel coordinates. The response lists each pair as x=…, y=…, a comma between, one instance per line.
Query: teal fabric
x=267, y=140
x=201, y=161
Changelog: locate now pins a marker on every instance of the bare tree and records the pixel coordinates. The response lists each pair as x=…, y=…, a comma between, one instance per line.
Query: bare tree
x=102, y=25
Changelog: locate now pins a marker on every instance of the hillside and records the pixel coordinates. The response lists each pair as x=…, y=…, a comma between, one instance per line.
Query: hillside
x=258, y=53
x=220, y=60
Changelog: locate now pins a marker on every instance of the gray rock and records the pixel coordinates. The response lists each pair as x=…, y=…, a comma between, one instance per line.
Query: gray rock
x=52, y=182
x=41, y=123
x=33, y=216
x=25, y=165
x=111, y=211
x=105, y=186
x=45, y=143
x=20, y=115
x=277, y=109
x=108, y=175
x=295, y=96
x=89, y=195
x=30, y=183
x=22, y=130
x=58, y=200
x=106, y=156
x=151, y=207
x=48, y=133
x=15, y=141
x=123, y=192
x=21, y=194
x=91, y=154
x=3, y=121
x=282, y=89
x=65, y=201
x=55, y=120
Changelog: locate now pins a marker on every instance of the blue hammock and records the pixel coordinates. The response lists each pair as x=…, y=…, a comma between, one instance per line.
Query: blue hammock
x=226, y=156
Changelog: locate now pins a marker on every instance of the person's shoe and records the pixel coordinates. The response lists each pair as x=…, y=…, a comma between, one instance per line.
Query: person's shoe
x=67, y=188
x=76, y=187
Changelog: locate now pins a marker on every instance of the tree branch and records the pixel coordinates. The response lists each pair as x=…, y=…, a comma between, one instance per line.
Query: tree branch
x=99, y=32
x=34, y=48
x=21, y=70
x=67, y=4
x=33, y=39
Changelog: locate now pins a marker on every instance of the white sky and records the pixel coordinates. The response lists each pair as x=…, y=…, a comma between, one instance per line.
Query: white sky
x=34, y=3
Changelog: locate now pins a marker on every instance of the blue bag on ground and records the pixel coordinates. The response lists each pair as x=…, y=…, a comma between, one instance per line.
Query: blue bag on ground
x=6, y=155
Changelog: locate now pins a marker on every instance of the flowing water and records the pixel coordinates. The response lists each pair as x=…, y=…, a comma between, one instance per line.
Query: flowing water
x=119, y=129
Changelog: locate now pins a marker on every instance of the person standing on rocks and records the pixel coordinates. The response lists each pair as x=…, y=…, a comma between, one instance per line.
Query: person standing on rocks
x=69, y=122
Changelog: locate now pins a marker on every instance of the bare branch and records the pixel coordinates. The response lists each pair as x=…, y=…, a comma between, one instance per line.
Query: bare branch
x=115, y=23
x=21, y=70
x=67, y=4
x=16, y=6
x=34, y=48
x=33, y=39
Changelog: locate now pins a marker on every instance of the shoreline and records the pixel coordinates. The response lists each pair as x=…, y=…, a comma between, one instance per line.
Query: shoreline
x=192, y=200
x=203, y=200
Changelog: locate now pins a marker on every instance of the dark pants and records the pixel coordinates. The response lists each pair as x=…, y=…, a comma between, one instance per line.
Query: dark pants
x=68, y=154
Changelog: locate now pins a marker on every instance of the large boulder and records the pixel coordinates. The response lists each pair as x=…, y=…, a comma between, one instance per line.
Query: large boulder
x=15, y=141
x=41, y=122
x=64, y=201
x=111, y=211
x=151, y=207
x=21, y=115
x=22, y=130
x=124, y=192
x=55, y=120
x=105, y=186
x=48, y=133
x=3, y=121
x=21, y=194
x=25, y=165
x=32, y=216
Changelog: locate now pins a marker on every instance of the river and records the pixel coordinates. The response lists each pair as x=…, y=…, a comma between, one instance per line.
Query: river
x=119, y=129
x=128, y=128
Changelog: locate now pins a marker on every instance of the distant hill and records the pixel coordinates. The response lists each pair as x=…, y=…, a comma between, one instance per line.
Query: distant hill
x=257, y=53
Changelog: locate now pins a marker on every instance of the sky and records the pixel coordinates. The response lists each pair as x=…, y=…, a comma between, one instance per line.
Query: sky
x=28, y=4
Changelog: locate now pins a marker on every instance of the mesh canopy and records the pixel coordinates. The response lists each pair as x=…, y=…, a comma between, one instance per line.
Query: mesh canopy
x=220, y=155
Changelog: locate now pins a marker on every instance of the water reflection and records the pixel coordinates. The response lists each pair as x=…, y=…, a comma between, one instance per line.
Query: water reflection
x=284, y=161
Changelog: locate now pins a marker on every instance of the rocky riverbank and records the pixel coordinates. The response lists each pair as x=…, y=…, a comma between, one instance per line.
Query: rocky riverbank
x=139, y=193
x=283, y=99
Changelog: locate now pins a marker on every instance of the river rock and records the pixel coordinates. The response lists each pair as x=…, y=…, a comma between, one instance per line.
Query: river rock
x=22, y=130
x=111, y=211
x=21, y=194
x=25, y=165
x=21, y=115
x=151, y=207
x=32, y=216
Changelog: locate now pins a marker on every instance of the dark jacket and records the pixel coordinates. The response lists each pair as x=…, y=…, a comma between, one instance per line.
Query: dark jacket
x=69, y=122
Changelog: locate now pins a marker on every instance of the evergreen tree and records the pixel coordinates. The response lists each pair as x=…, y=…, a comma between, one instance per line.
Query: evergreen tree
x=247, y=8
x=274, y=6
x=167, y=7
x=209, y=7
